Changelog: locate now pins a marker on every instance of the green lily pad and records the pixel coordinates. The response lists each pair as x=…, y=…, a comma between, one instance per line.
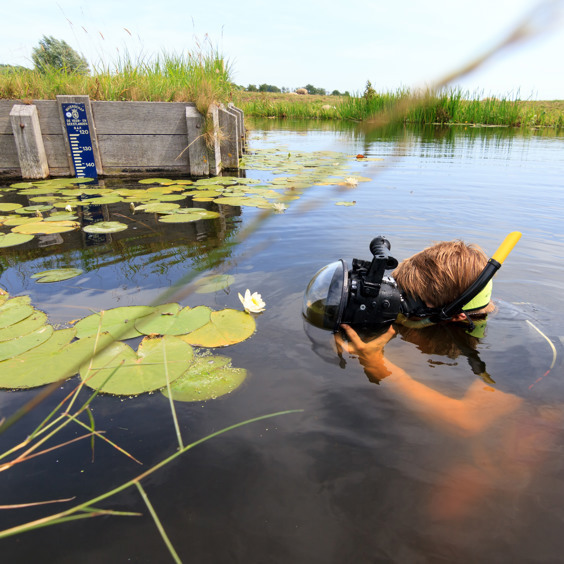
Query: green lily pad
x=119, y=321
x=211, y=284
x=22, y=344
x=105, y=227
x=243, y=201
x=181, y=322
x=13, y=239
x=155, y=181
x=23, y=327
x=119, y=370
x=19, y=220
x=209, y=377
x=226, y=327
x=46, y=227
x=45, y=363
x=15, y=310
x=57, y=274
x=345, y=203
x=157, y=207
x=188, y=217
x=34, y=209
x=9, y=207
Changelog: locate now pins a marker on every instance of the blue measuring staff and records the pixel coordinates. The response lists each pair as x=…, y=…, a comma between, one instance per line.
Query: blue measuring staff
x=78, y=131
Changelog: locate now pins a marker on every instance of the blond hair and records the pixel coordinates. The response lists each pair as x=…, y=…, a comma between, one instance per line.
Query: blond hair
x=440, y=273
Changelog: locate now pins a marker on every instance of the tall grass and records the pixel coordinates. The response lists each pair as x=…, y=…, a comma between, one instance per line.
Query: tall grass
x=201, y=76
x=445, y=107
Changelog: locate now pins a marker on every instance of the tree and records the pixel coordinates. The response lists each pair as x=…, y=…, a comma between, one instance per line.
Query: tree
x=313, y=90
x=58, y=55
x=252, y=88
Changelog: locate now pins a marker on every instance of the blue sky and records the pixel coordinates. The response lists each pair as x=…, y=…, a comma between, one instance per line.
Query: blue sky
x=329, y=44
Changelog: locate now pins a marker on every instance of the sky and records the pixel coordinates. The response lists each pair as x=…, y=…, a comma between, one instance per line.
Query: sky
x=332, y=45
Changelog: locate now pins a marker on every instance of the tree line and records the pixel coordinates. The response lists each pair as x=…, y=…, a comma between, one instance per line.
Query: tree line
x=309, y=87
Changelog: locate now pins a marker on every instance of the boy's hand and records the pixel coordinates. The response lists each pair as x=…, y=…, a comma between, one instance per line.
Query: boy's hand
x=370, y=354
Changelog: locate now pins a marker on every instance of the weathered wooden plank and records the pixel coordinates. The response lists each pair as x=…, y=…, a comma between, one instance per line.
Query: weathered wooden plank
x=29, y=142
x=9, y=152
x=228, y=139
x=92, y=127
x=135, y=118
x=241, y=125
x=198, y=162
x=214, y=152
x=144, y=150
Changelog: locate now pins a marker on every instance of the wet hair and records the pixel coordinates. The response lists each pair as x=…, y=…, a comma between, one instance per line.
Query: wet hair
x=440, y=273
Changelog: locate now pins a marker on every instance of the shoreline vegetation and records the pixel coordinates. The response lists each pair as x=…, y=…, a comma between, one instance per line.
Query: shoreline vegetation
x=204, y=77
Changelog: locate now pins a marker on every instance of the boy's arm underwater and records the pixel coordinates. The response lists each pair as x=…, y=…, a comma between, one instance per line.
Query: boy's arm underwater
x=480, y=407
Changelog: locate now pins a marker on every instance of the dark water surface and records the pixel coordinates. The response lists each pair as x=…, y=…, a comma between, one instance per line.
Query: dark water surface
x=363, y=473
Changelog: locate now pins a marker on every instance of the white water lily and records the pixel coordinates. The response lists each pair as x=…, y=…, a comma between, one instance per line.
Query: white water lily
x=279, y=207
x=252, y=303
x=68, y=208
x=351, y=181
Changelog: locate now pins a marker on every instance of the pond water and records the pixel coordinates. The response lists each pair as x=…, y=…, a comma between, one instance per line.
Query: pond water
x=361, y=473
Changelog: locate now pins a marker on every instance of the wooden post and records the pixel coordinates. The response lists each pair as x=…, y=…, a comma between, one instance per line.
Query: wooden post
x=198, y=163
x=214, y=151
x=29, y=143
x=240, y=125
x=229, y=139
x=64, y=99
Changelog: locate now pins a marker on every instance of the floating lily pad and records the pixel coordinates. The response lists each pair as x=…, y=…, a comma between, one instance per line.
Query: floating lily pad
x=51, y=361
x=209, y=377
x=57, y=274
x=119, y=370
x=27, y=325
x=15, y=310
x=46, y=227
x=119, y=321
x=22, y=344
x=178, y=323
x=13, y=239
x=210, y=284
x=155, y=181
x=34, y=209
x=105, y=227
x=157, y=207
x=188, y=217
x=19, y=220
x=9, y=207
x=226, y=327
x=345, y=203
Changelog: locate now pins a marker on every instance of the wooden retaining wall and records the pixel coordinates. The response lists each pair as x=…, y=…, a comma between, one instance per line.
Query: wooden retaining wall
x=128, y=138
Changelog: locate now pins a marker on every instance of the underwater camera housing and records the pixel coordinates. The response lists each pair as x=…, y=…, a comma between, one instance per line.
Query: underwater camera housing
x=363, y=297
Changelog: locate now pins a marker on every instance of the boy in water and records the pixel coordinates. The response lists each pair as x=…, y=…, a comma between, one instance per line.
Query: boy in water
x=438, y=275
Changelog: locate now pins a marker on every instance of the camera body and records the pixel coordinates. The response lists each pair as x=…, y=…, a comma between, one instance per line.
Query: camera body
x=373, y=299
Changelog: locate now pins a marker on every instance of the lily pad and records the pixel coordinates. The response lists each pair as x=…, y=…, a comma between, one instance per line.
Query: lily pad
x=157, y=207
x=57, y=274
x=155, y=181
x=27, y=325
x=188, y=217
x=15, y=310
x=51, y=361
x=9, y=207
x=209, y=377
x=13, y=239
x=179, y=323
x=22, y=344
x=211, y=284
x=345, y=203
x=119, y=321
x=119, y=370
x=105, y=227
x=46, y=227
x=226, y=327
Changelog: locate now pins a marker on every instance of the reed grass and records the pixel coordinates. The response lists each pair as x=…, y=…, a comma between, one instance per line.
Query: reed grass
x=446, y=107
